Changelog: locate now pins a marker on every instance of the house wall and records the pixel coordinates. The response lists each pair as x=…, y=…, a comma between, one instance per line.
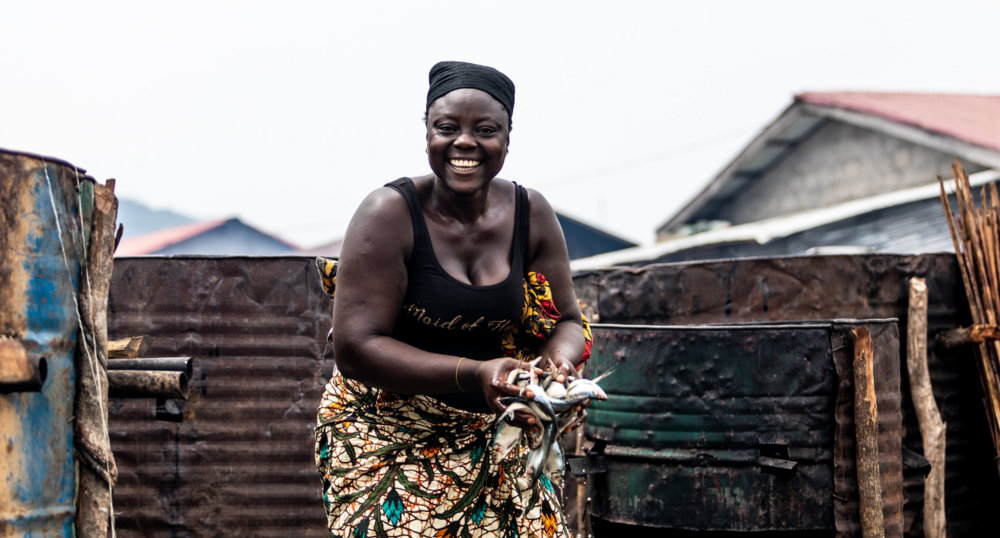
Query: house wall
x=231, y=239
x=838, y=163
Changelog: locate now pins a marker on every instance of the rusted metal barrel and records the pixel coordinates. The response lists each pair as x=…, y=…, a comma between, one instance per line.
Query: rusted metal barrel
x=742, y=427
x=40, y=252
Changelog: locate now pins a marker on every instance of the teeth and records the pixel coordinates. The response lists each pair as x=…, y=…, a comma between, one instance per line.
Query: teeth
x=464, y=163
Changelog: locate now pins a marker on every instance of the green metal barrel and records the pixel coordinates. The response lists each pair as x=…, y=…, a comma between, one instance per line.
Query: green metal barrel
x=727, y=428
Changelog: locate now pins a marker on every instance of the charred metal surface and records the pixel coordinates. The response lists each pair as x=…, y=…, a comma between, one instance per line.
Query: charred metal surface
x=39, y=279
x=241, y=463
x=827, y=287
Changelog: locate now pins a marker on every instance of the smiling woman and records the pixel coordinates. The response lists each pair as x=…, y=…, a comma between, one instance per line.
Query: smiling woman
x=431, y=289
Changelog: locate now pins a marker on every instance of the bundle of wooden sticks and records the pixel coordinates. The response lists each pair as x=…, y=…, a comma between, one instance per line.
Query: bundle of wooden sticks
x=977, y=247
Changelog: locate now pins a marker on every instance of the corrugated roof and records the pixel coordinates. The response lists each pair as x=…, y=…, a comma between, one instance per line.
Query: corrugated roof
x=152, y=242
x=891, y=229
x=972, y=118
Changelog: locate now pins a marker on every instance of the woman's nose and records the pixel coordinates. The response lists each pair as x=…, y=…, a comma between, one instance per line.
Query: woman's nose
x=465, y=140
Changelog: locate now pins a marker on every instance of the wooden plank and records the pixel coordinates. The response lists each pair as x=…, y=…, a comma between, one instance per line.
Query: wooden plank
x=129, y=348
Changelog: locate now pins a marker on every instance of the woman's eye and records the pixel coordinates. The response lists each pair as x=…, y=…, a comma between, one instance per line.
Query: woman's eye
x=446, y=128
x=487, y=130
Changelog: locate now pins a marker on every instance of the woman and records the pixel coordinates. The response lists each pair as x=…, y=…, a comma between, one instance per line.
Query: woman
x=431, y=287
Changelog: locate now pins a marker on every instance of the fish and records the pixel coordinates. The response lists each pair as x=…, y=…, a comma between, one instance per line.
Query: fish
x=505, y=439
x=553, y=405
x=555, y=464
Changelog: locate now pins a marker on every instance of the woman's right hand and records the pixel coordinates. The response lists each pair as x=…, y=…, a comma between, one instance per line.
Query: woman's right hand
x=492, y=379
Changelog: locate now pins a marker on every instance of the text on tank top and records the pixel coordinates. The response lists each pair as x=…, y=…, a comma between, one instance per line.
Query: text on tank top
x=441, y=314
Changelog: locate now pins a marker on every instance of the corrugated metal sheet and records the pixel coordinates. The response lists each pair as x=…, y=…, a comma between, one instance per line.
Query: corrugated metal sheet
x=823, y=287
x=241, y=463
x=40, y=252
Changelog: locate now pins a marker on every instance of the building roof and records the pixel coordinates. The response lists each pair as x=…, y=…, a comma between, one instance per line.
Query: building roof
x=972, y=118
x=966, y=126
x=219, y=237
x=584, y=240
x=156, y=241
x=905, y=221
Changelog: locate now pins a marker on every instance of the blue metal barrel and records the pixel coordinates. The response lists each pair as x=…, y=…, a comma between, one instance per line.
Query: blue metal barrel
x=41, y=249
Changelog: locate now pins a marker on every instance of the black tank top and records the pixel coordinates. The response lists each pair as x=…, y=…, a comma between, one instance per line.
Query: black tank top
x=443, y=315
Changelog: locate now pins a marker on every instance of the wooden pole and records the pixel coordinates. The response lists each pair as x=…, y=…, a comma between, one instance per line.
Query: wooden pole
x=866, y=430
x=97, y=470
x=932, y=428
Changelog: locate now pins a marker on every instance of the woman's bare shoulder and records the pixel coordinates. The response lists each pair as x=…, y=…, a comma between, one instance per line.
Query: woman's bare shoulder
x=382, y=219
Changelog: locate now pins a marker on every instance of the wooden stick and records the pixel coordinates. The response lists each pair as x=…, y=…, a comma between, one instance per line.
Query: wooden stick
x=932, y=428
x=129, y=348
x=866, y=430
x=973, y=334
x=958, y=251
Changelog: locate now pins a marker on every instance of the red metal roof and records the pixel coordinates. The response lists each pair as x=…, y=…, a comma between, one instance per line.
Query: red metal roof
x=971, y=118
x=153, y=242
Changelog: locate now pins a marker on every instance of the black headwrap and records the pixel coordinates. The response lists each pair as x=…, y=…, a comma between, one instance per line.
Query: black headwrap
x=446, y=77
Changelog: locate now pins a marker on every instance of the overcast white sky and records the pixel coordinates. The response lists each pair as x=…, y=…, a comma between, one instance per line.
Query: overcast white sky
x=286, y=114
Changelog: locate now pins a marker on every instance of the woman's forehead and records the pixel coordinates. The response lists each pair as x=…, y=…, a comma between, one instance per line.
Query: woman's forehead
x=465, y=101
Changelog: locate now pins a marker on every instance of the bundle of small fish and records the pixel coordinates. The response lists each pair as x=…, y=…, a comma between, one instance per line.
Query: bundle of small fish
x=553, y=404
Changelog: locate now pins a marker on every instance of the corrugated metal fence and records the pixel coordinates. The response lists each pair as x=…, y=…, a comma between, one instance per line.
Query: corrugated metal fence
x=824, y=287
x=241, y=463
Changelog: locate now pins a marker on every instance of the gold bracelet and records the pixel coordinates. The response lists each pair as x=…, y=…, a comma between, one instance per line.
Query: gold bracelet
x=456, y=375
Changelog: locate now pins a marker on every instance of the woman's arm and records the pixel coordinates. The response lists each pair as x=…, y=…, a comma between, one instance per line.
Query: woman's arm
x=548, y=255
x=371, y=285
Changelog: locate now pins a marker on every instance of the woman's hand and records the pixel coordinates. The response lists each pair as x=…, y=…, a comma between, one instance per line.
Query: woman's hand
x=492, y=379
x=564, y=368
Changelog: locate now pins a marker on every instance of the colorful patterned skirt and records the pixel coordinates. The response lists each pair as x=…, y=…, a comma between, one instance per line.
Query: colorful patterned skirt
x=395, y=465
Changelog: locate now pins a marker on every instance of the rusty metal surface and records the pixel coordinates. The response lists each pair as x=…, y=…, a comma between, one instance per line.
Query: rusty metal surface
x=241, y=463
x=39, y=279
x=824, y=287
x=730, y=427
x=147, y=384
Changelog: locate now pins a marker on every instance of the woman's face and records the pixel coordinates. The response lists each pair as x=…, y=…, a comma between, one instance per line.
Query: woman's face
x=467, y=137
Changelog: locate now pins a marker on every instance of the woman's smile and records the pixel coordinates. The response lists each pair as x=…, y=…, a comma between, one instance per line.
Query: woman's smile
x=464, y=165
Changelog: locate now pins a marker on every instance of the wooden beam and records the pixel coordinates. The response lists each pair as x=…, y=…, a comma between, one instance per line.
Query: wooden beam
x=129, y=348
x=866, y=429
